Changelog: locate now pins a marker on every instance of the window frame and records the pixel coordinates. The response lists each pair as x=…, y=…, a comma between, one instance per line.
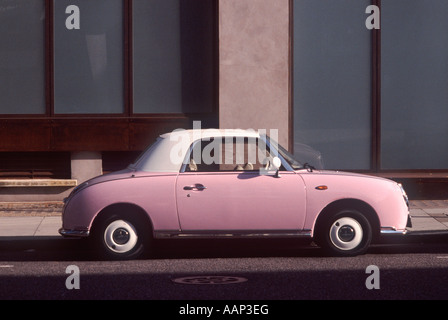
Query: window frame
x=285, y=166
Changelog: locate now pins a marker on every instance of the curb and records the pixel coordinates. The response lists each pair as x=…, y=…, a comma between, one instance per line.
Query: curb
x=31, y=209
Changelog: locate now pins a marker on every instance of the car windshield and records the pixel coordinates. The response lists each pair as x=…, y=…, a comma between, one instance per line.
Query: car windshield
x=295, y=164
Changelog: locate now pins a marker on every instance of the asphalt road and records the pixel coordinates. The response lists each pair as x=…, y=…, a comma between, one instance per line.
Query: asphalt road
x=415, y=268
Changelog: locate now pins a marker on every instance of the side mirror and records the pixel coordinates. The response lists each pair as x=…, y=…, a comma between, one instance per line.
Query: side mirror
x=270, y=164
x=276, y=163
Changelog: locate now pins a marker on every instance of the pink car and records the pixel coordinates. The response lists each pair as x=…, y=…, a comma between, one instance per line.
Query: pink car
x=231, y=183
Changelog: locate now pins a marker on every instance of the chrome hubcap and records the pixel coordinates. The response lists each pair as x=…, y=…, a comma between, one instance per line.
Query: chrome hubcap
x=121, y=236
x=346, y=233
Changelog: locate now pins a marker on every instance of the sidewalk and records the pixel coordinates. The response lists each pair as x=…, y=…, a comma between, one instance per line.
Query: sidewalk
x=429, y=216
x=31, y=220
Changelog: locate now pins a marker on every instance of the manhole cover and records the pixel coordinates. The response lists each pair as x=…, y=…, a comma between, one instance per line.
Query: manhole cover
x=209, y=280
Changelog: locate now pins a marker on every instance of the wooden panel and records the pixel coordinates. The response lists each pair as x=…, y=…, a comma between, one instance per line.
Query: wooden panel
x=90, y=135
x=144, y=131
x=25, y=135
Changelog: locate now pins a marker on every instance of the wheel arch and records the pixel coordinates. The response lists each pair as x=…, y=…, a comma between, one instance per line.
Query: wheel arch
x=125, y=210
x=351, y=204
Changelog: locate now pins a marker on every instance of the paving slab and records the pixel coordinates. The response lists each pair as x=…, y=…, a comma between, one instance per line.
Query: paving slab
x=30, y=226
x=49, y=226
x=19, y=226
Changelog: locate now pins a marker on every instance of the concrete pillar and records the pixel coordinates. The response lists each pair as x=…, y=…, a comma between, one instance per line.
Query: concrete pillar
x=86, y=165
x=254, y=86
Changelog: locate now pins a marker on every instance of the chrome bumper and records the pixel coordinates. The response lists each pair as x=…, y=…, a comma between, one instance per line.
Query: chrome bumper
x=393, y=230
x=74, y=233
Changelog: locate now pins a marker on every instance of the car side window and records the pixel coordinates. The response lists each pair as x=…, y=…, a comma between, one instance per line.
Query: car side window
x=229, y=154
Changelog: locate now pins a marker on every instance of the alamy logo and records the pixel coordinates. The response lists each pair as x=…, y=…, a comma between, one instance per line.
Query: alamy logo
x=73, y=21
x=373, y=21
x=373, y=281
x=72, y=281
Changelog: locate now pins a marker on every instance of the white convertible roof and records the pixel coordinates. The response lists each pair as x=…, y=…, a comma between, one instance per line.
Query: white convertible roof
x=168, y=152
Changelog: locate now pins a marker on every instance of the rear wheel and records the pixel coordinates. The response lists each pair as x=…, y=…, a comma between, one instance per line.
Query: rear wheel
x=121, y=237
x=346, y=233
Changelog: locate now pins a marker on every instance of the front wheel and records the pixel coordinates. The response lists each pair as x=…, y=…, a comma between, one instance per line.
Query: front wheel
x=346, y=233
x=120, y=238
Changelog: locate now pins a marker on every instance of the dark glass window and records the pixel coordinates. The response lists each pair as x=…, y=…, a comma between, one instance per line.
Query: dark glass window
x=414, y=82
x=173, y=56
x=88, y=62
x=332, y=82
x=22, y=57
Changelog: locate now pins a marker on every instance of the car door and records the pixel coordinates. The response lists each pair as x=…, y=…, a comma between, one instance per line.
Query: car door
x=236, y=195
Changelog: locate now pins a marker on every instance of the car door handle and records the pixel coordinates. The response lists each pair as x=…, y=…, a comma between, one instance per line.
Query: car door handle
x=196, y=187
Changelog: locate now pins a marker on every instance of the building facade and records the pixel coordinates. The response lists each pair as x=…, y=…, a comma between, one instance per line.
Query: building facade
x=85, y=86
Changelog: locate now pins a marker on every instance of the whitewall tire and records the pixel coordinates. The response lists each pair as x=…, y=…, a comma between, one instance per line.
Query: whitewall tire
x=345, y=233
x=122, y=238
